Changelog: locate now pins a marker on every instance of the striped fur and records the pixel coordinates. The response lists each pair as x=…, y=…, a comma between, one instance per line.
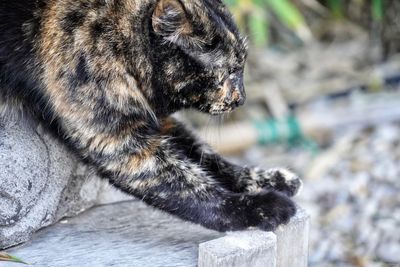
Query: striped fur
x=107, y=74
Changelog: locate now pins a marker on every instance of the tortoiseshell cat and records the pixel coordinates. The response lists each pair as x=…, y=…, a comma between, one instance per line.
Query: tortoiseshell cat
x=109, y=73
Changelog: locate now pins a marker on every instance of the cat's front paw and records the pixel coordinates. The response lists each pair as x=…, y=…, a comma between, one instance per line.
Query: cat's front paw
x=266, y=210
x=278, y=179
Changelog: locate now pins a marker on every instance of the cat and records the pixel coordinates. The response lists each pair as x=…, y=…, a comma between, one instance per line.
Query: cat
x=108, y=75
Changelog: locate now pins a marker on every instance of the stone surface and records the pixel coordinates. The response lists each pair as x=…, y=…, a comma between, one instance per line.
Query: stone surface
x=292, y=241
x=133, y=234
x=40, y=181
x=287, y=247
x=240, y=249
x=122, y=234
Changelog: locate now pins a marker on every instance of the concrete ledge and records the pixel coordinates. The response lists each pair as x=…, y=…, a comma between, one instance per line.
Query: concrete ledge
x=239, y=249
x=133, y=234
x=292, y=241
x=288, y=247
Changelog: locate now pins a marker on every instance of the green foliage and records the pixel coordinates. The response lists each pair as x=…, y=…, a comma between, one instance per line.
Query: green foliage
x=253, y=15
x=287, y=12
x=258, y=27
x=7, y=257
x=336, y=7
x=377, y=9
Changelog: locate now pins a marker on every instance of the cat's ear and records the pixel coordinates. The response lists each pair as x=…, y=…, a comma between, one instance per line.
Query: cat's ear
x=170, y=19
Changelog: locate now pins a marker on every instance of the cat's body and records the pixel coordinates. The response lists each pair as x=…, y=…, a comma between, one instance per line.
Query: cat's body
x=109, y=73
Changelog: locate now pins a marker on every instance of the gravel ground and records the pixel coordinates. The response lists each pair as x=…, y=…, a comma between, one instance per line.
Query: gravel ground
x=352, y=192
x=352, y=188
x=357, y=202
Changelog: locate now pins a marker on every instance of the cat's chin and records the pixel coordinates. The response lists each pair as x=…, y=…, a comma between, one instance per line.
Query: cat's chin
x=216, y=112
x=223, y=108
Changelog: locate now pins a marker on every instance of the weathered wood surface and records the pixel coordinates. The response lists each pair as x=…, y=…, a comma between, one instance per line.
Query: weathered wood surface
x=238, y=249
x=132, y=234
x=124, y=234
x=292, y=241
x=287, y=247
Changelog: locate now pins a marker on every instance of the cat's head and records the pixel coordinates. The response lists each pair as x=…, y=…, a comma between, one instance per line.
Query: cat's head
x=198, y=55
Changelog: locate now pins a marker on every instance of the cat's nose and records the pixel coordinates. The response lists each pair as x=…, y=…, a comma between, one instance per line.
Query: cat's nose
x=234, y=88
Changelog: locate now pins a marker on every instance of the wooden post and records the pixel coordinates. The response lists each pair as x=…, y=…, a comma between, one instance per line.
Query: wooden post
x=292, y=241
x=288, y=247
x=239, y=249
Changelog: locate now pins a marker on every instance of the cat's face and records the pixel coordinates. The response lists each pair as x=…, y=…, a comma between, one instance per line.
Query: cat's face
x=199, y=55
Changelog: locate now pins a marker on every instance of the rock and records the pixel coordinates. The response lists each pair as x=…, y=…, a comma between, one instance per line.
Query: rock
x=238, y=249
x=40, y=181
x=358, y=194
x=389, y=252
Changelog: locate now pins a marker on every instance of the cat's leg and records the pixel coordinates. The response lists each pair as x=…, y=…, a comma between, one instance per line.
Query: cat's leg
x=141, y=161
x=236, y=178
x=134, y=152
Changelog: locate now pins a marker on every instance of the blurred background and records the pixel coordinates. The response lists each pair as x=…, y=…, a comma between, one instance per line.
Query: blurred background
x=323, y=87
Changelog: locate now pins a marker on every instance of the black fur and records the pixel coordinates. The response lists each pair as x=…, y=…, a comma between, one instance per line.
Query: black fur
x=108, y=75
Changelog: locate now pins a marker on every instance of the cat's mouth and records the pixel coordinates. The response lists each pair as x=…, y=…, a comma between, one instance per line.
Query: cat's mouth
x=221, y=108
x=231, y=95
x=218, y=110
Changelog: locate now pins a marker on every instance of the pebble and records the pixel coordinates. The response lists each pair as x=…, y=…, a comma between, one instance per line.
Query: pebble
x=355, y=205
x=361, y=214
x=389, y=252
